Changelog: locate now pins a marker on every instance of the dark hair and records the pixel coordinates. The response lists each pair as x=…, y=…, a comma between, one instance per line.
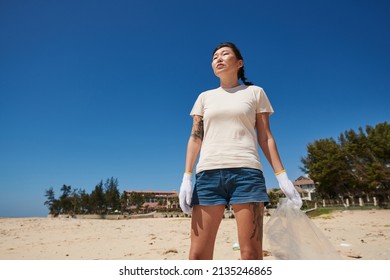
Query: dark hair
x=241, y=71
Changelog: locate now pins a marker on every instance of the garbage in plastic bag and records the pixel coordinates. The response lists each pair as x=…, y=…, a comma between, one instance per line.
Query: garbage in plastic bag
x=291, y=235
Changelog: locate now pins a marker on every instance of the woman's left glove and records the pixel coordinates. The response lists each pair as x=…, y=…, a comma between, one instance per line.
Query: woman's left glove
x=185, y=194
x=289, y=190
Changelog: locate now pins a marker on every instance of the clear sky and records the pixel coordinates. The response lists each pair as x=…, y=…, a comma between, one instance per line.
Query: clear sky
x=98, y=89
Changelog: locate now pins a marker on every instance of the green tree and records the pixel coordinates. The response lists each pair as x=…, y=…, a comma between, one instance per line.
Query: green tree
x=273, y=197
x=327, y=165
x=123, y=201
x=51, y=202
x=355, y=151
x=136, y=199
x=378, y=142
x=368, y=154
x=358, y=162
x=98, y=201
x=112, y=195
x=85, y=202
x=65, y=200
x=75, y=201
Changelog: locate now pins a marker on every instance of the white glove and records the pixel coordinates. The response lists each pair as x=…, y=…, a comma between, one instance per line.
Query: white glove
x=185, y=194
x=289, y=190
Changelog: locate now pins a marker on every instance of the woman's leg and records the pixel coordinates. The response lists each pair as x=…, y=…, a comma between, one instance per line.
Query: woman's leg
x=204, y=227
x=249, y=218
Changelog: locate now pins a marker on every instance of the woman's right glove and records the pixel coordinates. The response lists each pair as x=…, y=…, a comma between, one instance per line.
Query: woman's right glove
x=289, y=190
x=185, y=194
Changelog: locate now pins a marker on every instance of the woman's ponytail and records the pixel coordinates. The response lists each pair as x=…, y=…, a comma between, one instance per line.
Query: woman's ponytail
x=241, y=75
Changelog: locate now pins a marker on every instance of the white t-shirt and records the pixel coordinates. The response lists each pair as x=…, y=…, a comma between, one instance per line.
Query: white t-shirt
x=229, y=119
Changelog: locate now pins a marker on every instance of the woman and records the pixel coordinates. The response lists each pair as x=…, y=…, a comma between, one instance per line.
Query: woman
x=228, y=123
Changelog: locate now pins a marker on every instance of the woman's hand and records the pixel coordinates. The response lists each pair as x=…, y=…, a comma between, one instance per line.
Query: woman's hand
x=185, y=194
x=289, y=190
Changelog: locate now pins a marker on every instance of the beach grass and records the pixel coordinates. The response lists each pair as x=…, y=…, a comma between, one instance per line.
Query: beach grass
x=321, y=212
x=326, y=213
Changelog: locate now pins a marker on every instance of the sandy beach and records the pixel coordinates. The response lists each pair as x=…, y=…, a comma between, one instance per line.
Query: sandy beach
x=356, y=234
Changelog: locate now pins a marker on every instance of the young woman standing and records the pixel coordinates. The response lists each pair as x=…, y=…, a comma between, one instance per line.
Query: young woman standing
x=229, y=123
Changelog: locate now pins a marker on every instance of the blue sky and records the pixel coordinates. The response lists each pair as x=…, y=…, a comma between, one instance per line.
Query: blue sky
x=98, y=89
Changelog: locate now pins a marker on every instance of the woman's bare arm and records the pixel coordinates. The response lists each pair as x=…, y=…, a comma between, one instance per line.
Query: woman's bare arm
x=194, y=143
x=267, y=142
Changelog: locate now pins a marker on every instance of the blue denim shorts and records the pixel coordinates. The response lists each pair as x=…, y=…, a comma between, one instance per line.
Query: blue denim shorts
x=229, y=186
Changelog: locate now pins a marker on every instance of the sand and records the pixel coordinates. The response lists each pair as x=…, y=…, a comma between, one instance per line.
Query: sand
x=356, y=234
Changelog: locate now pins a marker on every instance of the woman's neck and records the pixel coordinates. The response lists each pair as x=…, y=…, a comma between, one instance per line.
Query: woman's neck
x=231, y=83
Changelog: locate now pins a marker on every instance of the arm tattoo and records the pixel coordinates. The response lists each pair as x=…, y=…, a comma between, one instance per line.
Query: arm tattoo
x=197, y=129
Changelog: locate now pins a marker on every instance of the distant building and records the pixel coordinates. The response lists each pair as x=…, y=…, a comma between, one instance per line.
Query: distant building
x=307, y=186
x=155, y=200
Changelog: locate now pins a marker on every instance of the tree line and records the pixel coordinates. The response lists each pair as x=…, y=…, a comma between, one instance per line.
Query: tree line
x=357, y=162
x=105, y=198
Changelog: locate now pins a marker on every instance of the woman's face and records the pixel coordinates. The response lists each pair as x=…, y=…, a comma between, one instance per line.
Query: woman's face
x=225, y=62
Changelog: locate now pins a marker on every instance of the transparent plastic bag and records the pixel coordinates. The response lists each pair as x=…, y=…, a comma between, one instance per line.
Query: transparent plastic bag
x=291, y=235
